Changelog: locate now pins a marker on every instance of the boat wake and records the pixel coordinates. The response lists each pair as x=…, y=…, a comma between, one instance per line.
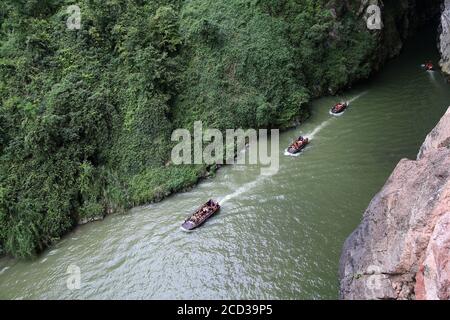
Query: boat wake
x=245, y=188
x=4, y=269
x=248, y=186
x=357, y=97
x=319, y=128
x=432, y=76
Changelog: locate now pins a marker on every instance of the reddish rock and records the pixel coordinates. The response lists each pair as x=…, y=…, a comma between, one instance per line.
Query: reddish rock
x=438, y=138
x=401, y=249
x=433, y=279
x=444, y=37
x=420, y=284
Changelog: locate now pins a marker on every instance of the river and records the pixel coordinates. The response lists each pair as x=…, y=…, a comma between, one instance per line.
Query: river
x=276, y=237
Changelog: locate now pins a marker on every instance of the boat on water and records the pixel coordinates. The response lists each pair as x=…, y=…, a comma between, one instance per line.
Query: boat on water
x=298, y=145
x=428, y=66
x=339, y=108
x=200, y=215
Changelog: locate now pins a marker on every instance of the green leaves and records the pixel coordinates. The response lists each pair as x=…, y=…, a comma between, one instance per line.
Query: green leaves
x=164, y=27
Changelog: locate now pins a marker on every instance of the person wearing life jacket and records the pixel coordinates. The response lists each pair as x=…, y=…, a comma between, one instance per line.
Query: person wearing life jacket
x=210, y=205
x=213, y=205
x=294, y=145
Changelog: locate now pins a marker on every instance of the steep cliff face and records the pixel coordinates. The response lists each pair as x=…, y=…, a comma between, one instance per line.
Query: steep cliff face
x=444, y=39
x=400, y=19
x=401, y=250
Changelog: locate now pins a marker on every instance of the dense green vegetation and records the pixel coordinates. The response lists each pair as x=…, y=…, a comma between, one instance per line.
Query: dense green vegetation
x=86, y=115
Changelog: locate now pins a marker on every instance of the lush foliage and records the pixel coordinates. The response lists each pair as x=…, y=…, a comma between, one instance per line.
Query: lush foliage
x=86, y=116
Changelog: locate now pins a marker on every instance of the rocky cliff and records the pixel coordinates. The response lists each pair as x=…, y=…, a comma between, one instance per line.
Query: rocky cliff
x=444, y=39
x=400, y=19
x=401, y=250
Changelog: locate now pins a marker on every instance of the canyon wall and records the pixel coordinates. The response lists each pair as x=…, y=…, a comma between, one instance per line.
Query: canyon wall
x=401, y=248
x=400, y=19
x=444, y=38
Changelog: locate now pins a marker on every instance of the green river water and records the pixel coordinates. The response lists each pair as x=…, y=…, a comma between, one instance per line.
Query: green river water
x=277, y=237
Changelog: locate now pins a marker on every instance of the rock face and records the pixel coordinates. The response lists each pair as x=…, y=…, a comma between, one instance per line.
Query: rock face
x=401, y=250
x=444, y=38
x=400, y=19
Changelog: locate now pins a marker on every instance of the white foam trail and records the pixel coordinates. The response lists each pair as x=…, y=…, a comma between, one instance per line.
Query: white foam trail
x=245, y=188
x=319, y=128
x=433, y=79
x=4, y=269
x=357, y=97
x=248, y=186
x=432, y=75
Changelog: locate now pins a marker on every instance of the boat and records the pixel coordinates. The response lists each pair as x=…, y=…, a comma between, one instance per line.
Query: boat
x=200, y=215
x=339, y=108
x=294, y=149
x=428, y=66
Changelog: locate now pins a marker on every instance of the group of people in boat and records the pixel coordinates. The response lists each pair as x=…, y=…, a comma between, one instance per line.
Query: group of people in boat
x=206, y=209
x=340, y=107
x=429, y=66
x=300, y=143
